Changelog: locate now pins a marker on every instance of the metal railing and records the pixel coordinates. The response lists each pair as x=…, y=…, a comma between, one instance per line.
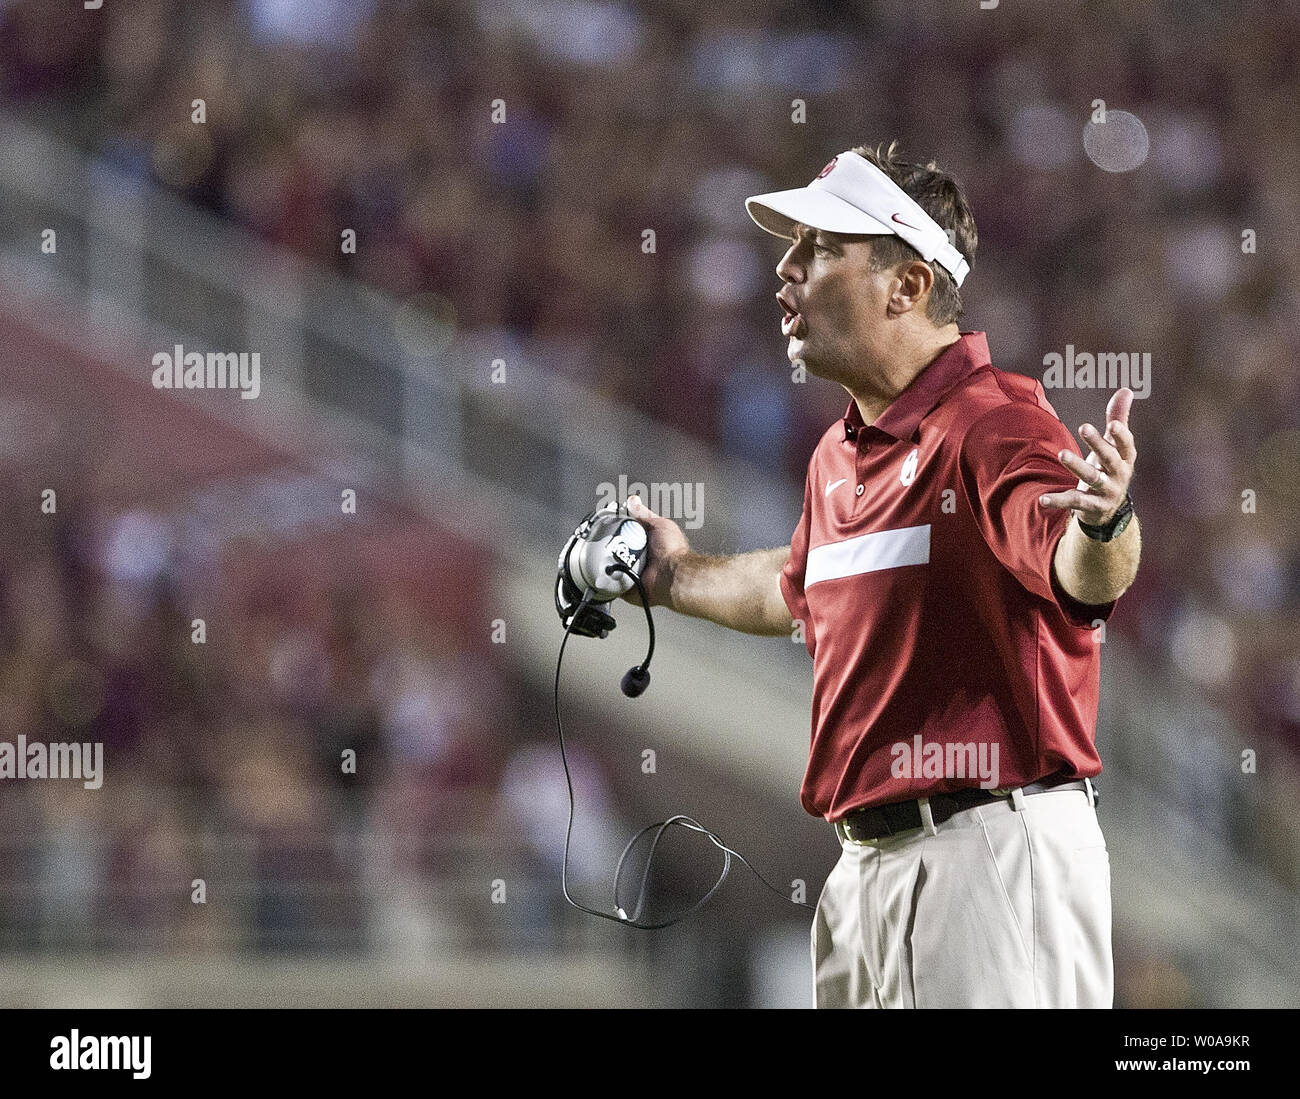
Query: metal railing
x=414, y=396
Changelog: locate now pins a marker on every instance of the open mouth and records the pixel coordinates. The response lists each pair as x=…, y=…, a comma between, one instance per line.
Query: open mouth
x=793, y=323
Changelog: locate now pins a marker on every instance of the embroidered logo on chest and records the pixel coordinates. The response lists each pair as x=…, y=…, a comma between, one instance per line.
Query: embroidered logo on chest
x=909, y=468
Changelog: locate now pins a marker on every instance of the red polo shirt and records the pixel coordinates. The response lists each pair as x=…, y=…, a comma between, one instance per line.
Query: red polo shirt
x=922, y=571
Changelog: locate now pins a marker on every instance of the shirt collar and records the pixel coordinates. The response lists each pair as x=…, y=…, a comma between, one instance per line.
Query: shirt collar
x=926, y=390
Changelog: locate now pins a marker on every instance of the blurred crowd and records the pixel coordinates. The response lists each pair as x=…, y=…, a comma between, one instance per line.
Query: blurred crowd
x=335, y=761
x=502, y=160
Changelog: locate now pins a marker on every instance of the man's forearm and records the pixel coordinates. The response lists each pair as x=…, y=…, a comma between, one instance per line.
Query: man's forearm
x=1097, y=572
x=740, y=591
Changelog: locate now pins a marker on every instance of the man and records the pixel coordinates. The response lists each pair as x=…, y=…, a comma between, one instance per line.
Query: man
x=954, y=557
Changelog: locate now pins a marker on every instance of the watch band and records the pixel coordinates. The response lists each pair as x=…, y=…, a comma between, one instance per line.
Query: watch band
x=1113, y=529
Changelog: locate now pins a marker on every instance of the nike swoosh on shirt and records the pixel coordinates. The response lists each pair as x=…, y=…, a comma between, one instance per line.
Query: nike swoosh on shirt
x=833, y=485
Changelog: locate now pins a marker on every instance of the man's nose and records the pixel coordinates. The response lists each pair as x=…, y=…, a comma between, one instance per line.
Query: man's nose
x=788, y=270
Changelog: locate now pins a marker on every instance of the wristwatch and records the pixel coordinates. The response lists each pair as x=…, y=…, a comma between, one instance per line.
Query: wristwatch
x=1115, y=527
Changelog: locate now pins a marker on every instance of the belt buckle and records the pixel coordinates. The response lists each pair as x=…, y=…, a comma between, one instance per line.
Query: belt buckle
x=874, y=841
x=842, y=828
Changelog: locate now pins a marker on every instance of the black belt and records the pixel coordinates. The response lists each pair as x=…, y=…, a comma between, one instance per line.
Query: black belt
x=866, y=825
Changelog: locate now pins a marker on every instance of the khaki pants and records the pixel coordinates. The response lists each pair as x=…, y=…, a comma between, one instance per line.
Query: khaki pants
x=1003, y=905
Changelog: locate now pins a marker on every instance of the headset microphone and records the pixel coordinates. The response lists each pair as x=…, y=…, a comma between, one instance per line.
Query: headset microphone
x=635, y=681
x=602, y=560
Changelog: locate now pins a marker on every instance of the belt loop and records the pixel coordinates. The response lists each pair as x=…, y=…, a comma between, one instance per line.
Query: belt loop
x=1018, y=800
x=1092, y=794
x=927, y=817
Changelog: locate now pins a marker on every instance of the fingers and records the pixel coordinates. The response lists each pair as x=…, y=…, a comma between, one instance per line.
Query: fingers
x=639, y=510
x=1107, y=456
x=1117, y=429
x=1091, y=509
x=1087, y=472
x=1068, y=499
x=1104, y=477
x=1119, y=433
x=1121, y=403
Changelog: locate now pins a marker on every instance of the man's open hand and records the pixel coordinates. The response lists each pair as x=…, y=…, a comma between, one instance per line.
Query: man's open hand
x=1104, y=478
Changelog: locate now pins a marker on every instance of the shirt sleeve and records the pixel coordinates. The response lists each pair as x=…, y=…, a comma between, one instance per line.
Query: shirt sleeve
x=792, y=573
x=1008, y=460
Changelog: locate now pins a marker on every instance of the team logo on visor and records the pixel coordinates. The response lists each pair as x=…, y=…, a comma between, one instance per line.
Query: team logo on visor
x=827, y=170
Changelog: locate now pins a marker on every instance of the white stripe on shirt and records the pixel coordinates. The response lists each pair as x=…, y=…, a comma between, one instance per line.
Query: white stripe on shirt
x=882, y=549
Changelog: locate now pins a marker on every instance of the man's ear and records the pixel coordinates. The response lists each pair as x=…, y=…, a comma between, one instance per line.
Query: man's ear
x=915, y=281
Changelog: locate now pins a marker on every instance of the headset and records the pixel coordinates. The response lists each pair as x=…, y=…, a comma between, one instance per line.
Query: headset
x=602, y=560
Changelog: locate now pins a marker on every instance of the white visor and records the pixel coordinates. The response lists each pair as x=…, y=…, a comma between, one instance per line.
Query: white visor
x=852, y=195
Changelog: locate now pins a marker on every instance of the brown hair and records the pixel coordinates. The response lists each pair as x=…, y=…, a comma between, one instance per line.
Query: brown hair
x=940, y=196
